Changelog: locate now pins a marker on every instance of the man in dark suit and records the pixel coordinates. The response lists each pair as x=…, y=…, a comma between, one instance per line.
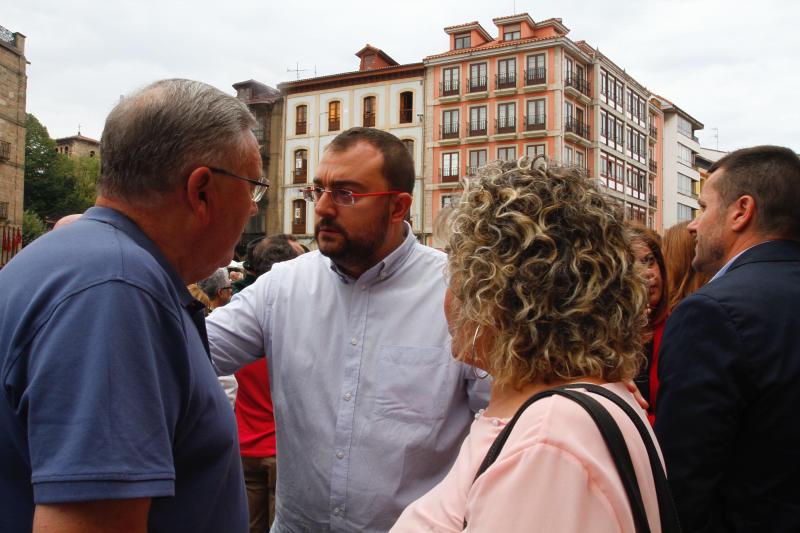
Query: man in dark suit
x=727, y=410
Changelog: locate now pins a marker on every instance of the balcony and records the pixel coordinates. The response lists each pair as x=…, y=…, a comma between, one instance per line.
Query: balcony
x=334, y=124
x=579, y=84
x=369, y=120
x=535, y=122
x=577, y=127
x=5, y=150
x=406, y=115
x=300, y=127
x=448, y=88
x=505, y=81
x=477, y=85
x=535, y=76
x=652, y=200
x=505, y=125
x=653, y=132
x=476, y=128
x=448, y=174
x=300, y=175
x=472, y=171
x=448, y=131
x=653, y=166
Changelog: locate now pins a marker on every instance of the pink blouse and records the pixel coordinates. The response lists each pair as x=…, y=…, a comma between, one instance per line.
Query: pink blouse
x=554, y=474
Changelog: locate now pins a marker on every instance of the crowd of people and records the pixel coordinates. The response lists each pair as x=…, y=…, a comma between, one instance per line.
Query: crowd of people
x=498, y=384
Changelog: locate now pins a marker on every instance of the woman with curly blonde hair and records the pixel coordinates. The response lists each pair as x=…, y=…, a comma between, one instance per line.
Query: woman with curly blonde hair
x=543, y=293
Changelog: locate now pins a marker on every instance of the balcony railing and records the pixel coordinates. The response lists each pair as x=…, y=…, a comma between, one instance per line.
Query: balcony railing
x=448, y=131
x=652, y=200
x=477, y=84
x=369, y=120
x=476, y=127
x=505, y=81
x=300, y=127
x=448, y=88
x=577, y=127
x=300, y=175
x=535, y=122
x=448, y=174
x=653, y=166
x=3, y=210
x=5, y=150
x=471, y=171
x=578, y=82
x=653, y=132
x=406, y=115
x=505, y=125
x=535, y=76
x=334, y=124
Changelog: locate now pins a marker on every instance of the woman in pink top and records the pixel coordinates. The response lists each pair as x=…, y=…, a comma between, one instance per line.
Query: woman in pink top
x=543, y=292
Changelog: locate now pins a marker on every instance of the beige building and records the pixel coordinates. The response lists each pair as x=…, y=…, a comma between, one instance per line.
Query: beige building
x=266, y=104
x=13, y=83
x=78, y=146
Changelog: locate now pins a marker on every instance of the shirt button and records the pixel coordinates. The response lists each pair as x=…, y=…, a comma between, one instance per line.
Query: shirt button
x=348, y=397
x=340, y=454
x=353, y=341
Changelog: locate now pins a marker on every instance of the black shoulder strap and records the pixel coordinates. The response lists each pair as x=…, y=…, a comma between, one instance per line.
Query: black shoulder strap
x=611, y=435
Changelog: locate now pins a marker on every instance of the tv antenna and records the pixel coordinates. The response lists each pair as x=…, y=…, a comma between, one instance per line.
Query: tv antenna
x=297, y=70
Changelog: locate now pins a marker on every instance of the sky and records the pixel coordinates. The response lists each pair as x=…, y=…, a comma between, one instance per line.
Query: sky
x=732, y=65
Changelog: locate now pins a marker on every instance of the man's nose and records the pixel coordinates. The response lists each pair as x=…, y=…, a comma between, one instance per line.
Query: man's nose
x=325, y=205
x=253, y=208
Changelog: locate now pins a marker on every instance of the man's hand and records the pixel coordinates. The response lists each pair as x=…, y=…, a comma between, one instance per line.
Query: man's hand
x=99, y=516
x=636, y=394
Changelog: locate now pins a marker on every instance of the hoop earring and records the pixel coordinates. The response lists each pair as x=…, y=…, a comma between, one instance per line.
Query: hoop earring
x=474, y=358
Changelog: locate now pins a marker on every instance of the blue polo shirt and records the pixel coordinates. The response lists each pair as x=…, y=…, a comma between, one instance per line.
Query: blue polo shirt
x=107, y=387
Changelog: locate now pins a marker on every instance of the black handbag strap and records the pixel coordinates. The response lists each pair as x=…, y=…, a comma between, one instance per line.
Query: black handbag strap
x=616, y=445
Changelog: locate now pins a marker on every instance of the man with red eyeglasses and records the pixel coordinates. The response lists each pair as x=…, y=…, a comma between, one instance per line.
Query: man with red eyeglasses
x=370, y=407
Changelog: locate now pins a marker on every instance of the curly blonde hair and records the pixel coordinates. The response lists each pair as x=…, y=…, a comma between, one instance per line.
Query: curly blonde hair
x=542, y=265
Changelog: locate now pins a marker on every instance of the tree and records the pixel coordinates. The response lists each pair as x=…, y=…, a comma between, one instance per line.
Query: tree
x=32, y=227
x=56, y=185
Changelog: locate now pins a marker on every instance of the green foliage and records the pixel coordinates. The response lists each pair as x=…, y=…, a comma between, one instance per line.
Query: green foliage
x=32, y=227
x=56, y=185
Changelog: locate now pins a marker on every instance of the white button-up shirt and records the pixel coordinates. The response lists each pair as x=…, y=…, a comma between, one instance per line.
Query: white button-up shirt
x=370, y=407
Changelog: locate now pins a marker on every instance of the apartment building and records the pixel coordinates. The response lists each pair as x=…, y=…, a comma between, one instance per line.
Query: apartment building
x=13, y=87
x=266, y=104
x=529, y=89
x=381, y=94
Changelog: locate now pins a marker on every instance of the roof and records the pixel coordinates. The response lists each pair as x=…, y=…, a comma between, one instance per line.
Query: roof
x=520, y=17
x=491, y=45
x=77, y=137
x=261, y=93
x=354, y=77
x=369, y=48
x=474, y=25
x=667, y=105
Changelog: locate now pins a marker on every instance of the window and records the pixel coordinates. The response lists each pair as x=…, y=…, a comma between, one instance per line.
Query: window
x=91, y=153
x=449, y=83
x=506, y=118
x=450, y=124
x=567, y=155
x=477, y=77
x=299, y=217
x=406, y=107
x=535, y=150
x=535, y=71
x=506, y=73
x=334, y=115
x=580, y=159
x=685, y=127
x=508, y=153
x=447, y=200
x=300, y=173
x=684, y=155
x=369, y=112
x=450, y=166
x=477, y=121
x=685, y=184
x=477, y=159
x=462, y=41
x=612, y=172
x=535, y=115
x=685, y=213
x=409, y=144
x=511, y=32
x=300, y=119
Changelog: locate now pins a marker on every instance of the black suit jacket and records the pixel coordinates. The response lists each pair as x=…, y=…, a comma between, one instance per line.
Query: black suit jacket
x=728, y=409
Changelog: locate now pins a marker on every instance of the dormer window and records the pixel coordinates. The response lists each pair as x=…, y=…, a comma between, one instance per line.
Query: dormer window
x=511, y=32
x=462, y=41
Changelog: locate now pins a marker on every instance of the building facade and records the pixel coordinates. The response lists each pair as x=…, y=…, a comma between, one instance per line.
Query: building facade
x=13, y=89
x=381, y=94
x=78, y=146
x=266, y=104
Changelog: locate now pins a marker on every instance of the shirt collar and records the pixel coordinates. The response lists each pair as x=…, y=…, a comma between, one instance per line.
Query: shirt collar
x=727, y=266
x=129, y=228
x=386, y=267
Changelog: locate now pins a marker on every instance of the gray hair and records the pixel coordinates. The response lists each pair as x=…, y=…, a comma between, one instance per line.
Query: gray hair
x=153, y=138
x=213, y=283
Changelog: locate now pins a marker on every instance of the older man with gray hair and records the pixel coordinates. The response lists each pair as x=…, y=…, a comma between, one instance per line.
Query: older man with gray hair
x=111, y=415
x=217, y=287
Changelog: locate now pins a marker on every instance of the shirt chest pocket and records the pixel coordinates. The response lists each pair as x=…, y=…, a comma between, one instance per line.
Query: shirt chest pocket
x=414, y=383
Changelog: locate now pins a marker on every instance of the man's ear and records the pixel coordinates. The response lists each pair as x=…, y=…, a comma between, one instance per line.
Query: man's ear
x=197, y=193
x=400, y=206
x=742, y=212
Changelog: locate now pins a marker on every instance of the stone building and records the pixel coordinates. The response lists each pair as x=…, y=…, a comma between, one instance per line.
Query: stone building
x=78, y=146
x=13, y=83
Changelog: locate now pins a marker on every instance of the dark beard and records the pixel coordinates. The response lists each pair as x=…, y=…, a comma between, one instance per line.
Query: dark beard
x=351, y=251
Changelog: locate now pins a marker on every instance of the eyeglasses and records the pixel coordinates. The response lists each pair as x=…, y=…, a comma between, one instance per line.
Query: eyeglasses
x=340, y=196
x=261, y=185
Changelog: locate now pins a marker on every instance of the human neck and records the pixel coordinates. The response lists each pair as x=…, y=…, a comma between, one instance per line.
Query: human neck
x=504, y=401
